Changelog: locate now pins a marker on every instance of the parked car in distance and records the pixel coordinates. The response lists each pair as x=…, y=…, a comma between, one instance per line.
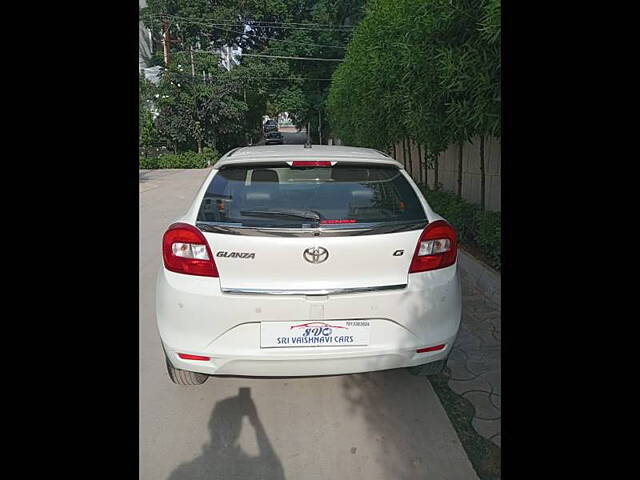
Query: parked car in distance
x=295, y=261
x=270, y=126
x=273, y=138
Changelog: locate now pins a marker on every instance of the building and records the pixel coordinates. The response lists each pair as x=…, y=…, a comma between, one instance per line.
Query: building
x=145, y=50
x=229, y=55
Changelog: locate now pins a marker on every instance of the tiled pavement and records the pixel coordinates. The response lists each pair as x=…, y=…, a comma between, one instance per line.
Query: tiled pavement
x=473, y=368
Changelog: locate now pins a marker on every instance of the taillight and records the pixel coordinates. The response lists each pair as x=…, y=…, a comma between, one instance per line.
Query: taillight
x=437, y=248
x=185, y=250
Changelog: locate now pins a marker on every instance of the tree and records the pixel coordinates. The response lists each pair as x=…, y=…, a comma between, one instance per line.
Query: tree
x=148, y=134
x=196, y=111
x=426, y=69
x=223, y=109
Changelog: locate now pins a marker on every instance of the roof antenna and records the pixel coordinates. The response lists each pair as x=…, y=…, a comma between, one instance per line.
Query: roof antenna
x=308, y=143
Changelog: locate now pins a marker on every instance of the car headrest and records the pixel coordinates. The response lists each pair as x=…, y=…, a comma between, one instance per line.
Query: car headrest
x=264, y=175
x=258, y=196
x=362, y=194
x=348, y=174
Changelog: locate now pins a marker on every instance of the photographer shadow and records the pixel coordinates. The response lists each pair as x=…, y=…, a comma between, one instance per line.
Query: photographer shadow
x=222, y=458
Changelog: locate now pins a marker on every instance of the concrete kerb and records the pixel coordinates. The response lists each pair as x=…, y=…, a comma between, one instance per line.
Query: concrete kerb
x=484, y=278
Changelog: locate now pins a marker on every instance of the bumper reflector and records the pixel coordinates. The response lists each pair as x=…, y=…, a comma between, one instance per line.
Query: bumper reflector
x=431, y=349
x=186, y=356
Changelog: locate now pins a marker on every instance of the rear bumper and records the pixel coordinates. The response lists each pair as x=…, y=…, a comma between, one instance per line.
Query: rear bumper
x=195, y=317
x=321, y=361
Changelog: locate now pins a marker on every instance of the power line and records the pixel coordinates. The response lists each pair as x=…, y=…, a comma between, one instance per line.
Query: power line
x=306, y=43
x=235, y=21
x=281, y=40
x=275, y=25
x=294, y=58
x=276, y=56
x=257, y=79
x=293, y=78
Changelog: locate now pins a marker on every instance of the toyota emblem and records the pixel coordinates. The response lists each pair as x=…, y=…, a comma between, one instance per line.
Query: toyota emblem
x=315, y=254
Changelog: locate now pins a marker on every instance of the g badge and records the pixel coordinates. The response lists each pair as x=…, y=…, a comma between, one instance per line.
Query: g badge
x=398, y=253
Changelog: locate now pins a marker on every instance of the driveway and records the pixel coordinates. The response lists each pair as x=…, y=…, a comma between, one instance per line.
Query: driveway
x=290, y=137
x=374, y=426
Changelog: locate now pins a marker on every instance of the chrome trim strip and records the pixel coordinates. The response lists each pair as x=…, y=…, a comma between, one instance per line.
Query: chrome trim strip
x=328, y=291
x=333, y=231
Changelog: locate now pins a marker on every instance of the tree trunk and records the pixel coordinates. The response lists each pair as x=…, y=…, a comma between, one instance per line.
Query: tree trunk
x=404, y=153
x=426, y=167
x=482, y=174
x=199, y=145
x=460, y=146
x=394, y=150
x=410, y=147
x=420, y=163
x=435, y=173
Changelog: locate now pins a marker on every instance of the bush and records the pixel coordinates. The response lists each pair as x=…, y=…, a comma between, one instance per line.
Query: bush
x=181, y=160
x=477, y=228
x=488, y=236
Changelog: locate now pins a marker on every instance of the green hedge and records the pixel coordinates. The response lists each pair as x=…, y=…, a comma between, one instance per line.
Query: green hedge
x=481, y=229
x=181, y=160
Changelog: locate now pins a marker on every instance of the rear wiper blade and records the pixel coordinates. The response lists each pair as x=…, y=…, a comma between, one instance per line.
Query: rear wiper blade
x=306, y=214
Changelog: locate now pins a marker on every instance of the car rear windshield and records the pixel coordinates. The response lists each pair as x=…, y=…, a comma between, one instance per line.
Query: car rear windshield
x=282, y=196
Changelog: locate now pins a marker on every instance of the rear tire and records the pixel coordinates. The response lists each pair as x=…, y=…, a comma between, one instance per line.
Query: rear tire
x=428, y=369
x=185, y=377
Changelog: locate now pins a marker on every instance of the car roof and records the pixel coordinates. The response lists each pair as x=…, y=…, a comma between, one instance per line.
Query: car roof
x=341, y=153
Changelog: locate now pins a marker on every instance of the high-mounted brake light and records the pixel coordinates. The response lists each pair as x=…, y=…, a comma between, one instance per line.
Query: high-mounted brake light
x=310, y=163
x=437, y=248
x=185, y=250
x=330, y=222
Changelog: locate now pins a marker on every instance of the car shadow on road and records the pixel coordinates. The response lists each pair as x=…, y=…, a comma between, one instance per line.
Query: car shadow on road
x=222, y=458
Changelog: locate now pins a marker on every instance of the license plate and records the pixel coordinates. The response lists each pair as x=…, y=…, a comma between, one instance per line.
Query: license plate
x=314, y=334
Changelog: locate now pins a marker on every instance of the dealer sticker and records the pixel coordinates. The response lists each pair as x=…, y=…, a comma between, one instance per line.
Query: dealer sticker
x=314, y=334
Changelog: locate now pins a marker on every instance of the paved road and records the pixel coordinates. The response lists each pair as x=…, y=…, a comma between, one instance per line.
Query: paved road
x=382, y=425
x=474, y=365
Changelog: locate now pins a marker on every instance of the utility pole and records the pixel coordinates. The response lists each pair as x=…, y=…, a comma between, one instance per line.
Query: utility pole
x=308, y=142
x=320, y=126
x=193, y=67
x=166, y=42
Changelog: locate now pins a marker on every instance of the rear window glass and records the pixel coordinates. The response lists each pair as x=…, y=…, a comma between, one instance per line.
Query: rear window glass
x=280, y=196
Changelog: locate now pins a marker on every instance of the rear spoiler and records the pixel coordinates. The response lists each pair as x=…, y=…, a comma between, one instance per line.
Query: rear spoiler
x=287, y=163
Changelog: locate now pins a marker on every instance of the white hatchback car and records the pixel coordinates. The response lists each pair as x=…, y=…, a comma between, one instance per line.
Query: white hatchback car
x=297, y=261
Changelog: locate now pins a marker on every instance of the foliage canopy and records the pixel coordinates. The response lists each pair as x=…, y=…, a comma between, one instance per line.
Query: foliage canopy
x=428, y=67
